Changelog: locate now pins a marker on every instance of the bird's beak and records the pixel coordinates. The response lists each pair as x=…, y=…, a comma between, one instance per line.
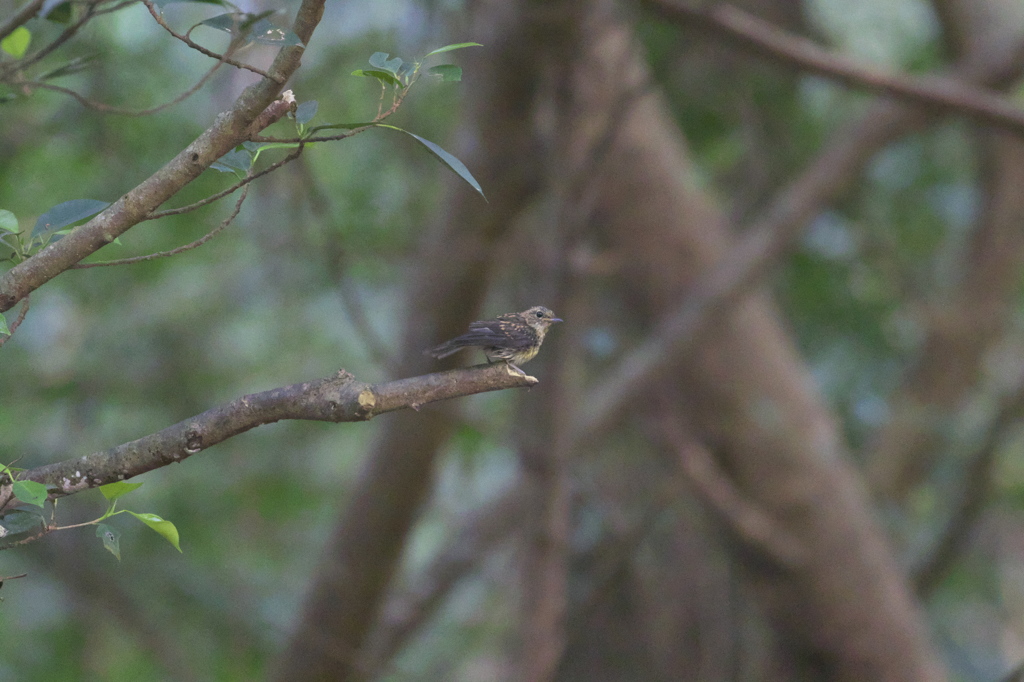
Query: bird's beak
x=557, y=319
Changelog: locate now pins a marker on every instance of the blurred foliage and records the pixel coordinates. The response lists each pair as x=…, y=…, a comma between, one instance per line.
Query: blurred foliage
x=108, y=355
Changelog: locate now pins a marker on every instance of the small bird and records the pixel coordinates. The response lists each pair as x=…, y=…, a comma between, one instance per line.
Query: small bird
x=513, y=338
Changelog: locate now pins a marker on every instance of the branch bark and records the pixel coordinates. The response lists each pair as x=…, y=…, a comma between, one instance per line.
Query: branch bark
x=230, y=129
x=334, y=399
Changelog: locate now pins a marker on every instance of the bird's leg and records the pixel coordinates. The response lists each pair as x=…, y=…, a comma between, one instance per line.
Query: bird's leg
x=513, y=369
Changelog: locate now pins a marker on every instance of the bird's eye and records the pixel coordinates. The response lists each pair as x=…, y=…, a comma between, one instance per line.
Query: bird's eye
x=540, y=313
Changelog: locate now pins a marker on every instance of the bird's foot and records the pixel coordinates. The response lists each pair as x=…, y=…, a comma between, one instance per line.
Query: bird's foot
x=513, y=370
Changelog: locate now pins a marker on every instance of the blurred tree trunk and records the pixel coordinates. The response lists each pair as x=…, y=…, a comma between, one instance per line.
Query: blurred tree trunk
x=843, y=608
x=564, y=110
x=967, y=317
x=458, y=257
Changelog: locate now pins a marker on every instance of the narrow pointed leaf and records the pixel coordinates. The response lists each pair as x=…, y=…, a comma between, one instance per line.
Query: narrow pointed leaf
x=449, y=48
x=446, y=158
x=65, y=214
x=4, y=330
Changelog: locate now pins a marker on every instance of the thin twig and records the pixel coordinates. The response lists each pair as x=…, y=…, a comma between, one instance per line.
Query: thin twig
x=17, y=323
x=223, y=193
x=199, y=48
x=335, y=260
x=977, y=488
x=67, y=34
x=409, y=608
x=326, y=138
x=173, y=252
x=108, y=109
x=760, y=36
x=340, y=136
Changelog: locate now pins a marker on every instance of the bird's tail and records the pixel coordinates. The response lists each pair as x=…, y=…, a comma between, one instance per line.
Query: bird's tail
x=444, y=350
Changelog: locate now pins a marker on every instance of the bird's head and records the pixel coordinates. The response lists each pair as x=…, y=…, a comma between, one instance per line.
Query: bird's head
x=540, y=318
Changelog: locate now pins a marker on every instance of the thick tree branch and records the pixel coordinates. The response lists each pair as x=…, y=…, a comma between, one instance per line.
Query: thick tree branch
x=230, y=129
x=948, y=93
x=339, y=398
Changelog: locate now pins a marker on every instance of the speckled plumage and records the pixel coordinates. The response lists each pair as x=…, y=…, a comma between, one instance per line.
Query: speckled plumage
x=513, y=338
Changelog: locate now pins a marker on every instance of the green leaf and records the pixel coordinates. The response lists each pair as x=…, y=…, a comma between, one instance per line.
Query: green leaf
x=16, y=44
x=3, y=326
x=404, y=70
x=383, y=76
x=275, y=145
x=449, y=48
x=112, y=491
x=58, y=11
x=446, y=158
x=30, y=492
x=73, y=66
x=67, y=213
x=255, y=28
x=237, y=161
x=381, y=61
x=164, y=528
x=111, y=538
x=449, y=73
x=8, y=221
x=21, y=521
x=266, y=33
x=305, y=112
x=224, y=22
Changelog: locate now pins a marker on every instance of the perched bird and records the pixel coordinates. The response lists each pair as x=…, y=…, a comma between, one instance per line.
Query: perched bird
x=513, y=338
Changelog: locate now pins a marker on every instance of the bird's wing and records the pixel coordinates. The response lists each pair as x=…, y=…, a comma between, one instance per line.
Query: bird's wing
x=506, y=333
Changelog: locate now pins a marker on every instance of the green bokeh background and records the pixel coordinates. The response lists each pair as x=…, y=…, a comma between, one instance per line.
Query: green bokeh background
x=108, y=355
